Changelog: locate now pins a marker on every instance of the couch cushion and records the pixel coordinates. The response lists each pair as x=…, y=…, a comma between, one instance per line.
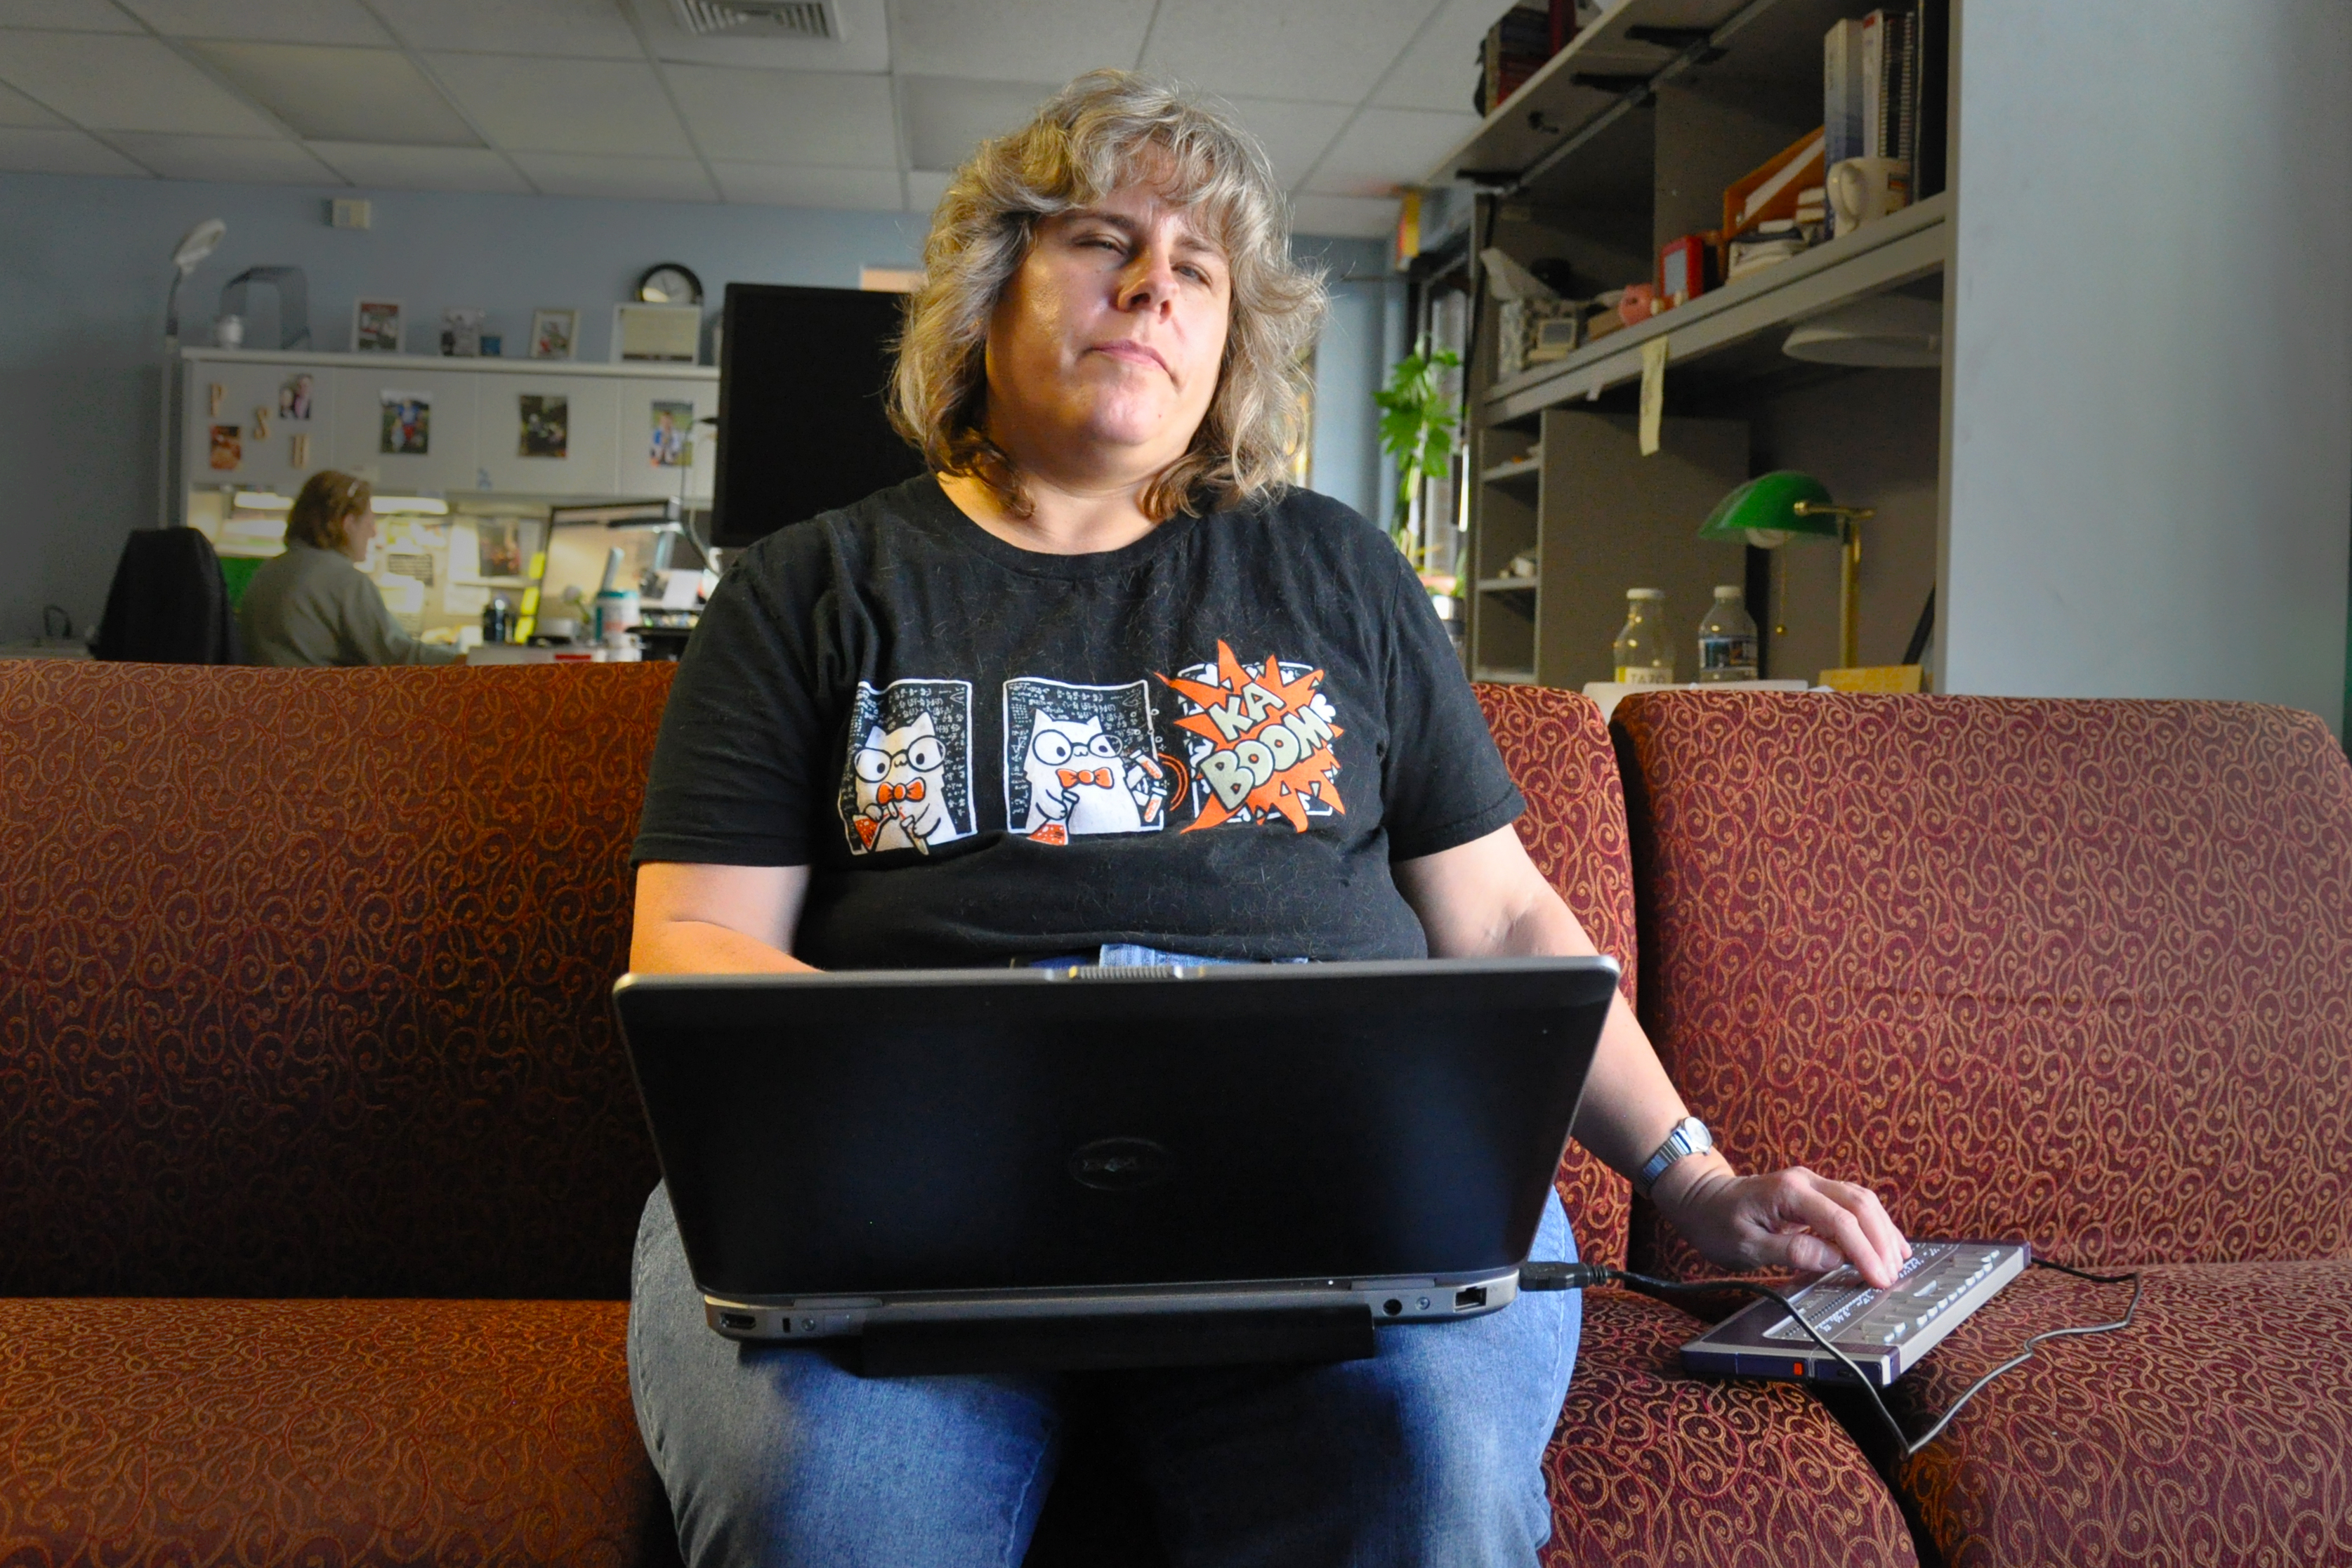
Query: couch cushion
x=303, y=980
x=2077, y=972
x=1574, y=828
x=2216, y=1430
x=325, y=1432
x=1653, y=1466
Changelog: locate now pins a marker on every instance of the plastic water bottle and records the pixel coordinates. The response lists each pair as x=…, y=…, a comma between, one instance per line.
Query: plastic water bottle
x=1645, y=655
x=1727, y=638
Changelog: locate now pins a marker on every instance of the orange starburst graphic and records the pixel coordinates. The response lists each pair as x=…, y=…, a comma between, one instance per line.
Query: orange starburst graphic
x=1269, y=738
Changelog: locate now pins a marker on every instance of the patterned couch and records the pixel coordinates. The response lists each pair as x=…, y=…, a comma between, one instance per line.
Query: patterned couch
x=319, y=1162
x=2075, y=973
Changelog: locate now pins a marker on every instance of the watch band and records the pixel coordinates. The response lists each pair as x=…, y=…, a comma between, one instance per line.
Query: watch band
x=1686, y=1137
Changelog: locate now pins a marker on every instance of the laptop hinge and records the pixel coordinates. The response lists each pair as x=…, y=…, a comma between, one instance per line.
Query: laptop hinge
x=1339, y=1333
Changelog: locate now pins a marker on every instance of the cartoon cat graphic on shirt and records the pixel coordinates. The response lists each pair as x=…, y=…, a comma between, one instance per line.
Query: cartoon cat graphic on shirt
x=1079, y=784
x=902, y=789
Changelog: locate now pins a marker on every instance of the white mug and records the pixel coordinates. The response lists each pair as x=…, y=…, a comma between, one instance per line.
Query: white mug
x=1862, y=190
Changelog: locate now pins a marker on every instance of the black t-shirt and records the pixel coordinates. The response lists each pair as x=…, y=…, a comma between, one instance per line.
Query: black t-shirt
x=1211, y=741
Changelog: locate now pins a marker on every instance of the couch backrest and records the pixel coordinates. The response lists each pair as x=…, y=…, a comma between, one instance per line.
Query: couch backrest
x=2078, y=973
x=303, y=980
x=1574, y=828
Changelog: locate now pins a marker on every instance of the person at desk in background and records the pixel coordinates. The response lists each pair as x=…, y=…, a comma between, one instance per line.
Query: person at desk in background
x=949, y=725
x=312, y=605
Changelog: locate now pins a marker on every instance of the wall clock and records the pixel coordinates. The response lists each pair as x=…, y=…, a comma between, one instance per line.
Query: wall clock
x=669, y=283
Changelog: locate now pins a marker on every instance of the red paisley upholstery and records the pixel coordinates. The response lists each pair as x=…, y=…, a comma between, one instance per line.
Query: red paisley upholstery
x=2218, y=1431
x=1653, y=1469
x=302, y=980
x=333, y=1434
x=2078, y=972
x=1574, y=828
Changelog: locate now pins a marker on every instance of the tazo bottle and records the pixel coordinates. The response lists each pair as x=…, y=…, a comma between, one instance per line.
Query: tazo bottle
x=1727, y=640
x=1644, y=655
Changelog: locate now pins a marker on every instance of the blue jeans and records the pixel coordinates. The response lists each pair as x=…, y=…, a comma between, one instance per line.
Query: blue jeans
x=1427, y=1454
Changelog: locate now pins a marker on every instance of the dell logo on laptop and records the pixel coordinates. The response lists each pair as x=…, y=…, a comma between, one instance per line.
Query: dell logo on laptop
x=1121, y=1165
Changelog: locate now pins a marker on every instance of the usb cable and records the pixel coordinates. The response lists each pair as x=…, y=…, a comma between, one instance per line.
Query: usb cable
x=1584, y=1276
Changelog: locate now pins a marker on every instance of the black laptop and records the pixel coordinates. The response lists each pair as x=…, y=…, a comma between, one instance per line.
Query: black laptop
x=1111, y=1167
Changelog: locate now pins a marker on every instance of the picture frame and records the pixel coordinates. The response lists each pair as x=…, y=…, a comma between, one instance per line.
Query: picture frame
x=375, y=326
x=554, y=333
x=657, y=334
x=461, y=332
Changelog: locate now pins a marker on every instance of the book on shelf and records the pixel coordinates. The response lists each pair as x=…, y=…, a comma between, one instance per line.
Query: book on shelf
x=1516, y=46
x=1841, y=108
x=1890, y=55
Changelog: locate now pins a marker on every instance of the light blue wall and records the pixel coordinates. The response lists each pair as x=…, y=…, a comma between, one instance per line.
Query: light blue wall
x=2152, y=374
x=84, y=265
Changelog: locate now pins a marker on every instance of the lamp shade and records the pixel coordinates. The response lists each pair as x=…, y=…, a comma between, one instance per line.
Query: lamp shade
x=1763, y=512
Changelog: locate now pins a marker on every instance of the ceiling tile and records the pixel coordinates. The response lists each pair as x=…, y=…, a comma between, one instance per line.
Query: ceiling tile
x=15, y=109
x=1326, y=51
x=1386, y=148
x=787, y=117
x=1295, y=134
x=1441, y=69
x=592, y=29
x=1037, y=40
x=924, y=189
x=864, y=45
x=278, y=21
x=245, y=159
x=109, y=83
x=796, y=185
x=565, y=106
x=422, y=168
x=947, y=117
x=72, y=16
x=341, y=94
x=1350, y=217
x=31, y=149
x=588, y=174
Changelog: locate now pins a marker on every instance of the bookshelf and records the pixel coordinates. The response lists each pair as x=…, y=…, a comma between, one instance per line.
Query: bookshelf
x=1624, y=142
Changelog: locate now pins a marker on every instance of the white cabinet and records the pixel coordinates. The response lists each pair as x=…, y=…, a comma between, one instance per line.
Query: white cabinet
x=408, y=429
x=664, y=443
x=532, y=430
x=246, y=434
x=546, y=435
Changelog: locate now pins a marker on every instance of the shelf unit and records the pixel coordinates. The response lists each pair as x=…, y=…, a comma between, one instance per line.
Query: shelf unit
x=1623, y=141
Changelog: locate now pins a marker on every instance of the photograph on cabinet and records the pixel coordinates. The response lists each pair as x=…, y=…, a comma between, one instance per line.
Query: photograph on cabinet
x=553, y=333
x=407, y=428
x=294, y=397
x=227, y=447
x=545, y=425
x=673, y=436
x=375, y=327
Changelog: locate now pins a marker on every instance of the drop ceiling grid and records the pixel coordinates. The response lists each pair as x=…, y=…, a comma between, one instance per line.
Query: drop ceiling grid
x=606, y=97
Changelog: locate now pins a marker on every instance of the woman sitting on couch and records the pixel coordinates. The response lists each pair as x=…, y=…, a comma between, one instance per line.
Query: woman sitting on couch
x=1013, y=709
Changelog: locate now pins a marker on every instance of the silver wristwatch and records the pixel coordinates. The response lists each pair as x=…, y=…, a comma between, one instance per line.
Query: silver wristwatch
x=1689, y=1136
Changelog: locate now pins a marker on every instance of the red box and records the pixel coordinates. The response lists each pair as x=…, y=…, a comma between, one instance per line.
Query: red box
x=1682, y=269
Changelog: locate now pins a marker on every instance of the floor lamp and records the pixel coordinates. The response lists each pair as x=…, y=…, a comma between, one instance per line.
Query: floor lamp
x=194, y=245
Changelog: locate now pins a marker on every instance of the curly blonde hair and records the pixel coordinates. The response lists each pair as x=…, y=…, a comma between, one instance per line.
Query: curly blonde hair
x=1108, y=129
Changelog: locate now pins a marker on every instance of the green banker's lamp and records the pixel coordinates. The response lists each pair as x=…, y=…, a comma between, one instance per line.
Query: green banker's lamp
x=1773, y=508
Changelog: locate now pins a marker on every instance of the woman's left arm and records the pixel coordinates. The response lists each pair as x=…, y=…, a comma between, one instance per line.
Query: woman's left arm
x=1486, y=899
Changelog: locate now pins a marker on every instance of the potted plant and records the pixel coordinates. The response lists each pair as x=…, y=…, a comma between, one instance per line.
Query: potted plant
x=1417, y=426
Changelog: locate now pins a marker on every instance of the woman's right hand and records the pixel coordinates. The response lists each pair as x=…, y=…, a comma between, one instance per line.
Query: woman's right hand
x=717, y=919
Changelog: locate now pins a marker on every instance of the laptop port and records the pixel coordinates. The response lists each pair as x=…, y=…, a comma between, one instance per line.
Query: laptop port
x=742, y=1322
x=1469, y=1296
x=1392, y=1306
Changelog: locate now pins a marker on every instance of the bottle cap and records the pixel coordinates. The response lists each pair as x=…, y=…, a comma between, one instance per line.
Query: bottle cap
x=1646, y=593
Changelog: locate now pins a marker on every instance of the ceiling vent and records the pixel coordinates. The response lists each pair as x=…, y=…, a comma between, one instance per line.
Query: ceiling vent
x=815, y=19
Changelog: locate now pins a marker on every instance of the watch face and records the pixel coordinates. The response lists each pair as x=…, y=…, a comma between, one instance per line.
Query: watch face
x=669, y=284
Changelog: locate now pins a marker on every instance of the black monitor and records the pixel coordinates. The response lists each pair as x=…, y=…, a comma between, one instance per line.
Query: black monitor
x=801, y=374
